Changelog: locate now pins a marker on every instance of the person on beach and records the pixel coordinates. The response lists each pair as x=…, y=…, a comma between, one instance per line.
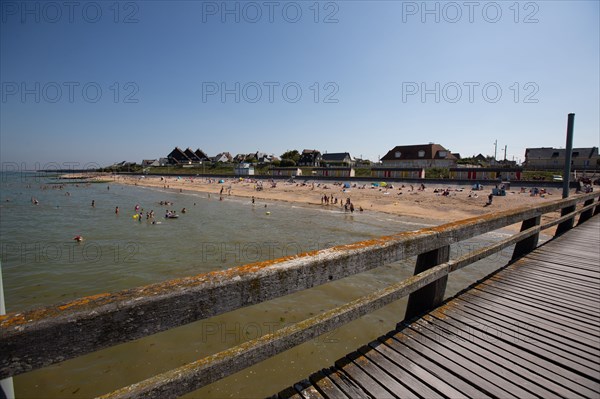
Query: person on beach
x=93, y=204
x=117, y=210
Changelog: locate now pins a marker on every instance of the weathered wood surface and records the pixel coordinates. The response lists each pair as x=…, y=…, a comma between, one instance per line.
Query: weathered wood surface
x=40, y=337
x=530, y=330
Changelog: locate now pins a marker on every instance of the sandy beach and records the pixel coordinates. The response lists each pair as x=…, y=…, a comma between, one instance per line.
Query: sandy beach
x=399, y=199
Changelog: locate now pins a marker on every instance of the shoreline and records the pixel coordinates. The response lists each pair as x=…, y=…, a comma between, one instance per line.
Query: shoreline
x=430, y=204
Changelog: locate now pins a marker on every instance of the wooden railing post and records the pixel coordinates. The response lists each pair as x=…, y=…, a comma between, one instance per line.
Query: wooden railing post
x=432, y=294
x=567, y=224
x=585, y=215
x=528, y=244
x=597, y=208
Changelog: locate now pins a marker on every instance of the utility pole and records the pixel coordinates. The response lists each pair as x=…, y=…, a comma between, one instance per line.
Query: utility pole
x=568, y=154
x=567, y=224
x=495, y=148
x=505, y=152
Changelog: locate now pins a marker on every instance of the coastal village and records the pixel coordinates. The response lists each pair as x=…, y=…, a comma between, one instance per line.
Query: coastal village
x=423, y=181
x=400, y=162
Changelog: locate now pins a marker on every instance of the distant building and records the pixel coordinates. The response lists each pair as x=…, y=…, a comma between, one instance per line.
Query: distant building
x=239, y=158
x=310, y=158
x=554, y=158
x=201, y=155
x=192, y=156
x=419, y=156
x=382, y=172
x=470, y=173
x=150, y=162
x=244, y=169
x=178, y=157
x=293, y=171
x=222, y=157
x=337, y=159
x=334, y=172
x=263, y=157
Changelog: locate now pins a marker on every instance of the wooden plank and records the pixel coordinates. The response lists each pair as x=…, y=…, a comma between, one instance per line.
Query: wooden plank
x=472, y=372
x=562, y=259
x=400, y=374
x=307, y=390
x=502, y=303
x=562, y=336
x=346, y=384
x=443, y=374
x=545, y=294
x=573, y=266
x=548, y=373
x=535, y=307
x=499, y=375
x=576, y=297
x=325, y=386
x=551, y=269
x=541, y=297
x=542, y=338
x=349, y=365
x=521, y=349
x=539, y=268
x=385, y=378
x=534, y=344
x=557, y=308
x=288, y=393
x=489, y=358
x=421, y=374
x=529, y=322
x=572, y=289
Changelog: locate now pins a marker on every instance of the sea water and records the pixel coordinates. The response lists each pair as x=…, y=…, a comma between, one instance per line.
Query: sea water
x=42, y=265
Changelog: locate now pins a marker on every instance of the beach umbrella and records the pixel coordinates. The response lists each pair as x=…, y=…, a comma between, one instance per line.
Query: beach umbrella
x=375, y=184
x=221, y=181
x=383, y=184
x=346, y=185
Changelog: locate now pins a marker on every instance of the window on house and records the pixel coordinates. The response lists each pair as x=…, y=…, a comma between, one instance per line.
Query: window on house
x=442, y=154
x=554, y=154
x=575, y=153
x=398, y=153
x=421, y=154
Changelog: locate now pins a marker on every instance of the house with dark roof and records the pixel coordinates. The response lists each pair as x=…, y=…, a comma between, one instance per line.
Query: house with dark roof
x=419, y=156
x=310, y=158
x=178, y=157
x=201, y=155
x=239, y=158
x=192, y=156
x=337, y=159
x=554, y=158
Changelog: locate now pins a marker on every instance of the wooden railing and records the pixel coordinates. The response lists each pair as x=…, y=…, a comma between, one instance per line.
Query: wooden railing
x=41, y=337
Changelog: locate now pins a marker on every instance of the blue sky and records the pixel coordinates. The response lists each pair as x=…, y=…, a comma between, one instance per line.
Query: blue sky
x=104, y=81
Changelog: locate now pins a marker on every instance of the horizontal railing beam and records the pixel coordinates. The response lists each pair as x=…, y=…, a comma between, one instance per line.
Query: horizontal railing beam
x=40, y=337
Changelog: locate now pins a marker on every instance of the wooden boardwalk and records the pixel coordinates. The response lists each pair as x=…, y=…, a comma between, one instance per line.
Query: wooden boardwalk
x=530, y=330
